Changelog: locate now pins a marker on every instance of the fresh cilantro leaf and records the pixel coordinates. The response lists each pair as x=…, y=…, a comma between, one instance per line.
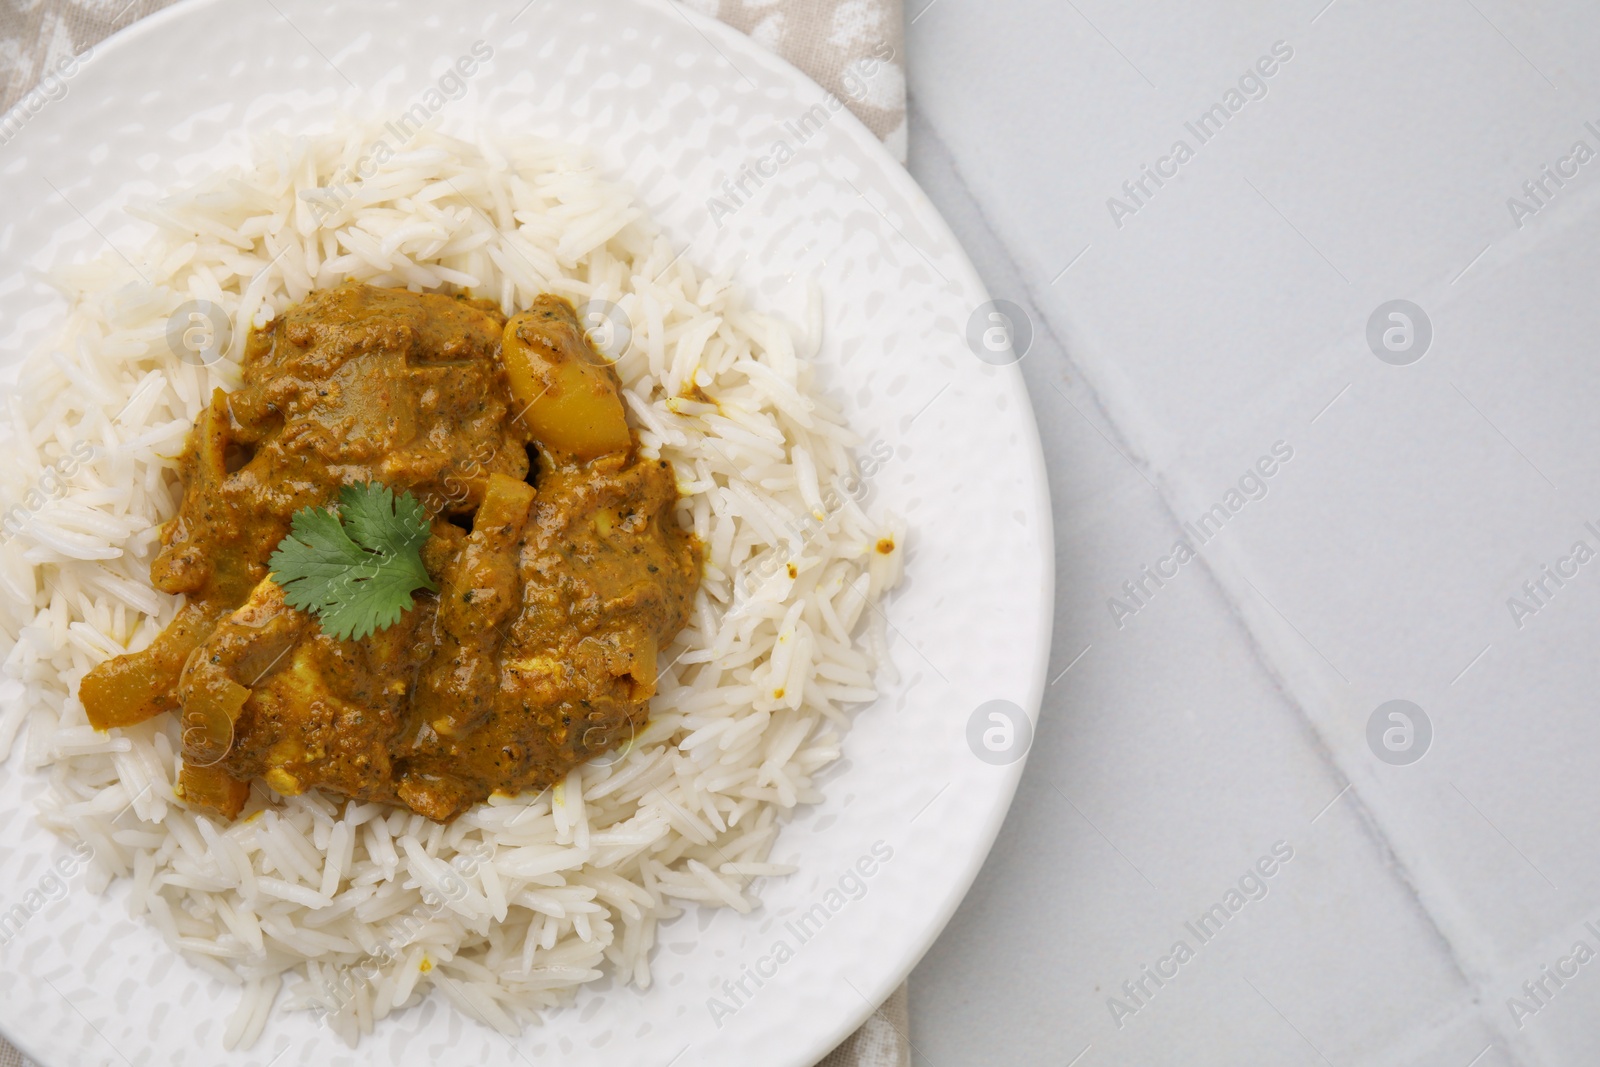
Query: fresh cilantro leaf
x=378, y=522
x=357, y=576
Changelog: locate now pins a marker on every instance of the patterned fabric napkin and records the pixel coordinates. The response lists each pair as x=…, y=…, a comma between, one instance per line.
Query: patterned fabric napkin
x=825, y=38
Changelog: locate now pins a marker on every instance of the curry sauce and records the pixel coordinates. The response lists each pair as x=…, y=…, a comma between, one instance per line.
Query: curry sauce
x=560, y=566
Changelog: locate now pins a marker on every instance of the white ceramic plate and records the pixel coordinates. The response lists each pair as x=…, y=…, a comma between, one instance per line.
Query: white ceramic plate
x=674, y=104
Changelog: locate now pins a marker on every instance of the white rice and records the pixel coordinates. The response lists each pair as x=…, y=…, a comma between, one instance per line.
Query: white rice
x=361, y=910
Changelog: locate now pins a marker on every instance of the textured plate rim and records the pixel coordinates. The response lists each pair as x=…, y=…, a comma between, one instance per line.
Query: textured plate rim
x=814, y=1043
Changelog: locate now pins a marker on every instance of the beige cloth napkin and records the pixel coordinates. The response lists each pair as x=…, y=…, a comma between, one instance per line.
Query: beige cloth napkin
x=824, y=38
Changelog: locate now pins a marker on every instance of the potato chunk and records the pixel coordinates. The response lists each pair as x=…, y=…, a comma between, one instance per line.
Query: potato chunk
x=571, y=397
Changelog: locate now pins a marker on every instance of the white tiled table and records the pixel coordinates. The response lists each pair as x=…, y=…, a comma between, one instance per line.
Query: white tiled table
x=1229, y=312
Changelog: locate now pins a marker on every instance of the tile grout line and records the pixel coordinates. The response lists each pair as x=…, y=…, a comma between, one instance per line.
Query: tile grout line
x=1473, y=976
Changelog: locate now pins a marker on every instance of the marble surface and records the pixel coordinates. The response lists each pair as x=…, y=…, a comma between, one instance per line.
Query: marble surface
x=1434, y=910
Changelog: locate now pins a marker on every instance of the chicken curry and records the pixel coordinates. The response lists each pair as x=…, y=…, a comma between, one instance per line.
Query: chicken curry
x=551, y=542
